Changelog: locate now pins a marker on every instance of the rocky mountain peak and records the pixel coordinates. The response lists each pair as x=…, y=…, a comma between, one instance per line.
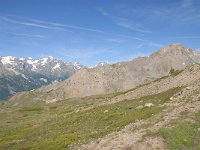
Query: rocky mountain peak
x=175, y=49
x=7, y=60
x=104, y=78
x=101, y=64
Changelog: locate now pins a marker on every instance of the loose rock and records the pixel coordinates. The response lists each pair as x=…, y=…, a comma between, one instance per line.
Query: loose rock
x=139, y=107
x=148, y=105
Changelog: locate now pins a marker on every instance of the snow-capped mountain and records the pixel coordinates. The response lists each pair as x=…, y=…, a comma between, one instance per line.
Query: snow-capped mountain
x=22, y=74
x=101, y=64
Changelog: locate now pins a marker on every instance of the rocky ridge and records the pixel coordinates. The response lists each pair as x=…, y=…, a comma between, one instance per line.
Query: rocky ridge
x=122, y=76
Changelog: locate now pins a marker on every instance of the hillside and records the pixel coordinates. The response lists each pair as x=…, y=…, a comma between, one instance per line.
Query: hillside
x=162, y=114
x=99, y=75
x=25, y=74
x=121, y=76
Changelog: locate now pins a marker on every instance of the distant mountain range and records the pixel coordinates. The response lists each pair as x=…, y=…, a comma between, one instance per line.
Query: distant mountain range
x=24, y=74
x=108, y=78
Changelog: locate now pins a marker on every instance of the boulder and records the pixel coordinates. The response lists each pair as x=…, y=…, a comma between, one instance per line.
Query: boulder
x=148, y=105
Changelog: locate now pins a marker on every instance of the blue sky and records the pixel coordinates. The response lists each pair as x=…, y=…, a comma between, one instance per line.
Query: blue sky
x=91, y=31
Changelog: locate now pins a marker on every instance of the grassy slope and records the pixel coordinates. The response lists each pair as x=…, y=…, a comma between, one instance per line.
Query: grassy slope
x=183, y=135
x=56, y=126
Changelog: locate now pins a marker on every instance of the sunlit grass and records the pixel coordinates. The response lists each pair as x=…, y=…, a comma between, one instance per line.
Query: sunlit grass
x=183, y=135
x=56, y=126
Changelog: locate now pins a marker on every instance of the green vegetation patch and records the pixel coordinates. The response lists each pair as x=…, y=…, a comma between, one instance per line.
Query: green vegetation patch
x=174, y=73
x=55, y=128
x=183, y=136
x=36, y=108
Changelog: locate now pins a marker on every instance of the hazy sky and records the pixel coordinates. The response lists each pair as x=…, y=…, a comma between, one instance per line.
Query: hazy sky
x=91, y=31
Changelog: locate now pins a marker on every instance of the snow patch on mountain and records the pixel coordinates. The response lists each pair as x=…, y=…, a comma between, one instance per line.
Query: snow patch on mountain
x=14, y=71
x=43, y=79
x=33, y=63
x=101, y=64
x=7, y=60
x=49, y=64
x=44, y=60
x=24, y=76
x=28, y=73
x=76, y=66
x=50, y=57
x=30, y=61
x=56, y=66
x=21, y=59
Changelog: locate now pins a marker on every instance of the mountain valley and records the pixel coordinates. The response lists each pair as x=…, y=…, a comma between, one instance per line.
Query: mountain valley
x=149, y=103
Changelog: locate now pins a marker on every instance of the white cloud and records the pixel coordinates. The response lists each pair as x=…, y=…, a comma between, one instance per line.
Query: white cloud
x=183, y=37
x=154, y=44
x=132, y=26
x=183, y=13
x=186, y=3
x=116, y=40
x=66, y=26
x=55, y=26
x=83, y=53
x=136, y=44
x=44, y=24
x=29, y=23
x=28, y=35
x=175, y=13
x=102, y=11
x=124, y=22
